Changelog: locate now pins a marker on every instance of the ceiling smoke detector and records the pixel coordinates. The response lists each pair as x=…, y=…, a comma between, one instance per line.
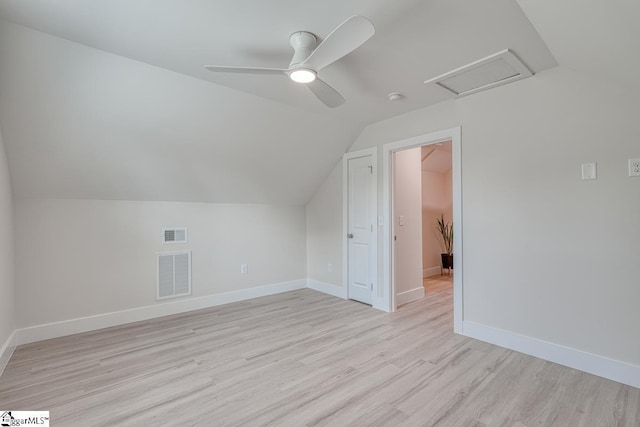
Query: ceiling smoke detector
x=395, y=96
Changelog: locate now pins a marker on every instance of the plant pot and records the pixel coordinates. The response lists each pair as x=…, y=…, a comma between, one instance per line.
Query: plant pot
x=447, y=261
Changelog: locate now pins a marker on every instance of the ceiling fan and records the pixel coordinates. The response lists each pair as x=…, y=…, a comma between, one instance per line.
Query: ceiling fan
x=309, y=59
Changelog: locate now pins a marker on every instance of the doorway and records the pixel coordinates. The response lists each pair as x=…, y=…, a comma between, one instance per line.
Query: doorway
x=392, y=220
x=423, y=211
x=437, y=215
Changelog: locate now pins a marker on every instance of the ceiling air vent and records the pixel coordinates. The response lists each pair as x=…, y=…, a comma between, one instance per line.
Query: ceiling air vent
x=494, y=70
x=174, y=274
x=174, y=235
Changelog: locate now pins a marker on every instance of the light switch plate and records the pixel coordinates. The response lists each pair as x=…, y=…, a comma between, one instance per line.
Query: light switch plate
x=401, y=220
x=589, y=171
x=634, y=167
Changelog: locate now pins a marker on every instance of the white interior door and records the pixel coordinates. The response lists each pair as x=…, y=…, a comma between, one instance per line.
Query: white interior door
x=360, y=225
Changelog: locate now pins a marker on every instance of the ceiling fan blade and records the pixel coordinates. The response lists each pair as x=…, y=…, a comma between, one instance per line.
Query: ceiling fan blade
x=325, y=93
x=344, y=39
x=245, y=70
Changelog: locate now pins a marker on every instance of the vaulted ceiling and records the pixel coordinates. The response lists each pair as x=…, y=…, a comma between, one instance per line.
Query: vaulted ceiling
x=601, y=38
x=109, y=98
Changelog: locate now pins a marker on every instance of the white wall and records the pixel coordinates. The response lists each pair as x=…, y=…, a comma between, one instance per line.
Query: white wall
x=84, y=257
x=407, y=197
x=6, y=252
x=546, y=255
x=437, y=200
x=324, y=231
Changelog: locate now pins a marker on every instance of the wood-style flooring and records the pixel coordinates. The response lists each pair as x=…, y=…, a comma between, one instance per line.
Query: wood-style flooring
x=304, y=358
x=437, y=284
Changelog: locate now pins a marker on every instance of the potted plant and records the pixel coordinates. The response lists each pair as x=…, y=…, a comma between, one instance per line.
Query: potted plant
x=446, y=232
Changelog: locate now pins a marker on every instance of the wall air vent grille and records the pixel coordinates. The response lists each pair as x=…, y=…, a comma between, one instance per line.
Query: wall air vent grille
x=174, y=235
x=174, y=275
x=494, y=70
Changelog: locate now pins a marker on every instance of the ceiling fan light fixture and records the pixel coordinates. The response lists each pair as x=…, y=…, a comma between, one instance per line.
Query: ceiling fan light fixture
x=302, y=75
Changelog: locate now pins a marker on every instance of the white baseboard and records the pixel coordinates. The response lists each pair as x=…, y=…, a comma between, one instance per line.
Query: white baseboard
x=100, y=321
x=432, y=271
x=327, y=288
x=614, y=370
x=6, y=351
x=408, y=296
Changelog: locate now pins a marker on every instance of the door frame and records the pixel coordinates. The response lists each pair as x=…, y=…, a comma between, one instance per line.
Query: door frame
x=388, y=300
x=373, y=252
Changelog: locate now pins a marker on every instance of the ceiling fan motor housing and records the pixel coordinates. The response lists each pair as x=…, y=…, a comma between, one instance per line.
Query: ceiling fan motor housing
x=303, y=43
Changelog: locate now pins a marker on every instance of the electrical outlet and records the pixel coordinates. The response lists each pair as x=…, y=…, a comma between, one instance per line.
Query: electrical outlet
x=244, y=269
x=634, y=167
x=329, y=268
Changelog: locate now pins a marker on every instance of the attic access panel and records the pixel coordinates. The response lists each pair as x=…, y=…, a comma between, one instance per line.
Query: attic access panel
x=494, y=70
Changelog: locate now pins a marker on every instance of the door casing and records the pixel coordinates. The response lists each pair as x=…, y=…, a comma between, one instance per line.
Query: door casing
x=387, y=300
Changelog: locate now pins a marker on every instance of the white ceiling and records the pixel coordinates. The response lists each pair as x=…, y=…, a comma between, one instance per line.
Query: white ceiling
x=415, y=40
x=81, y=123
x=594, y=36
x=108, y=99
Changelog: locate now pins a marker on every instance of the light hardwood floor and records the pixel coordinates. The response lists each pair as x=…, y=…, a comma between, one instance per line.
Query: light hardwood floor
x=438, y=283
x=304, y=358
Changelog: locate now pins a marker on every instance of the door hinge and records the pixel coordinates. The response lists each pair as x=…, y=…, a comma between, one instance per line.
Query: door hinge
x=372, y=287
x=371, y=169
x=372, y=228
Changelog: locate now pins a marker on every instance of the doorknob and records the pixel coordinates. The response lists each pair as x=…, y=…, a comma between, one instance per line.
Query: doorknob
x=350, y=236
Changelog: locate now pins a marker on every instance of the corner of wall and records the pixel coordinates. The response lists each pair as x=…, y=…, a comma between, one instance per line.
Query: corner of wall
x=324, y=231
x=7, y=261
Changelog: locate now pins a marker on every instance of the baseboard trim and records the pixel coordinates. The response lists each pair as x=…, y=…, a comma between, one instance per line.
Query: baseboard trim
x=410, y=295
x=6, y=351
x=604, y=367
x=327, y=288
x=432, y=271
x=106, y=320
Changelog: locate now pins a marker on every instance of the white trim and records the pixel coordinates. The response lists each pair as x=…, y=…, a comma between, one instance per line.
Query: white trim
x=6, y=351
x=373, y=152
x=432, y=271
x=456, y=174
x=327, y=288
x=410, y=295
x=91, y=323
x=614, y=370
x=454, y=135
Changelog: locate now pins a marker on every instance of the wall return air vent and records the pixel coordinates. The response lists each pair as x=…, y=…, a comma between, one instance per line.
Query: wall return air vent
x=174, y=274
x=494, y=70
